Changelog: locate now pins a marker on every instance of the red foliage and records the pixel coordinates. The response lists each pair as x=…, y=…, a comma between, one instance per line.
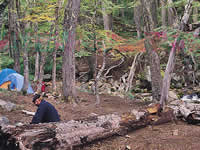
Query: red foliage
x=3, y=43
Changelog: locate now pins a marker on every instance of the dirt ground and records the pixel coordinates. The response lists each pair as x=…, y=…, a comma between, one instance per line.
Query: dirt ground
x=170, y=136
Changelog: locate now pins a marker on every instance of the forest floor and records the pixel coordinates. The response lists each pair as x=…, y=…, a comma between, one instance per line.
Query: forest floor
x=169, y=136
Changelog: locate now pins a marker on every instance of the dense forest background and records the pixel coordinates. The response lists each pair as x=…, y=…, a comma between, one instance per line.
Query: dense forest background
x=55, y=38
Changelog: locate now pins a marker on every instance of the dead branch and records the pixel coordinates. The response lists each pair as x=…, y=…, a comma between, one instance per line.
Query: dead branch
x=112, y=67
x=132, y=73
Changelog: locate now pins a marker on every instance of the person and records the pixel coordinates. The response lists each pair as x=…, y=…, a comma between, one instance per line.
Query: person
x=45, y=113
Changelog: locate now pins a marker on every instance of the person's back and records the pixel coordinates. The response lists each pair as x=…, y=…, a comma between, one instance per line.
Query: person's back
x=45, y=112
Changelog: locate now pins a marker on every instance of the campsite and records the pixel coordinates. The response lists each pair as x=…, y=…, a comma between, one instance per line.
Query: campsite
x=99, y=75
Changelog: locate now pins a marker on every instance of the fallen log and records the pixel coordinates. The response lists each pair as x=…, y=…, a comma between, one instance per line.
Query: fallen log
x=70, y=134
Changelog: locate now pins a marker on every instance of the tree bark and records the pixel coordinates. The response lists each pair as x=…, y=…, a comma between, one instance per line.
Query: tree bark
x=70, y=134
x=163, y=13
x=15, y=42
x=131, y=73
x=56, y=22
x=168, y=73
x=150, y=10
x=41, y=73
x=138, y=21
x=24, y=46
x=107, y=18
x=156, y=78
x=186, y=15
x=37, y=57
x=153, y=57
x=195, y=14
x=72, y=10
x=172, y=15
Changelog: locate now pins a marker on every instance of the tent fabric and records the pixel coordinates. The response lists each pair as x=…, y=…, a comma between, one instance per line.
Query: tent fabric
x=5, y=85
x=4, y=73
x=17, y=82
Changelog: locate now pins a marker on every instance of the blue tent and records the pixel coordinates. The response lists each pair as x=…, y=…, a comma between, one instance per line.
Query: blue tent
x=17, y=81
x=4, y=73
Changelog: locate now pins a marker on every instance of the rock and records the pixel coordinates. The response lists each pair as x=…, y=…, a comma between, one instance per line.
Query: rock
x=7, y=105
x=47, y=77
x=173, y=95
x=4, y=121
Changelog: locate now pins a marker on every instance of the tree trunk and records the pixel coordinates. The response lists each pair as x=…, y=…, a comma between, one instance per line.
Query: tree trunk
x=56, y=41
x=37, y=60
x=41, y=73
x=138, y=21
x=37, y=57
x=24, y=47
x=131, y=74
x=163, y=13
x=151, y=12
x=14, y=36
x=168, y=73
x=173, y=19
x=156, y=78
x=68, y=135
x=153, y=57
x=186, y=15
x=195, y=14
x=107, y=18
x=72, y=10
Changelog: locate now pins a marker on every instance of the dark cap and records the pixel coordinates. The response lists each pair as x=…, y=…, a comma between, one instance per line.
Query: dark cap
x=36, y=96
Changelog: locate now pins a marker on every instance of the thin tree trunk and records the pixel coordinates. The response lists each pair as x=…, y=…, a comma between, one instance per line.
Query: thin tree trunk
x=37, y=57
x=37, y=60
x=14, y=36
x=186, y=15
x=107, y=18
x=131, y=73
x=41, y=73
x=156, y=78
x=72, y=10
x=24, y=48
x=153, y=57
x=163, y=13
x=173, y=19
x=195, y=14
x=56, y=46
x=138, y=21
x=168, y=72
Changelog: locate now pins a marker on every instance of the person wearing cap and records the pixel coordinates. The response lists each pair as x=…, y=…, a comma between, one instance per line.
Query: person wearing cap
x=45, y=113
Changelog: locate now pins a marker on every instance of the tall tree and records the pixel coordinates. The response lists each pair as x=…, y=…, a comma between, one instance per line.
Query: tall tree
x=14, y=35
x=24, y=45
x=150, y=45
x=56, y=41
x=138, y=11
x=71, y=15
x=107, y=17
x=195, y=14
x=163, y=12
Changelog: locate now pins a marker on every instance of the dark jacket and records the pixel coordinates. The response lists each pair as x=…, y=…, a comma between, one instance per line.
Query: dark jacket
x=45, y=113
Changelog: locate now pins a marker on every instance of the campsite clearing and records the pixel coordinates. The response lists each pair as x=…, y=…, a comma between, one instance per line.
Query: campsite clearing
x=167, y=136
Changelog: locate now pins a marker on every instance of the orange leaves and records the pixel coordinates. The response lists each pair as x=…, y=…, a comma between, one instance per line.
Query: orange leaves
x=123, y=45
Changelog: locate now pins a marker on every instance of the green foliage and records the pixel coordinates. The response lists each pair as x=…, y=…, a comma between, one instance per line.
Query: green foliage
x=6, y=61
x=82, y=53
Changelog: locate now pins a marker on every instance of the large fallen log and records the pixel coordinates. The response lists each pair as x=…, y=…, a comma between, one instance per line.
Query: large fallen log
x=69, y=134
